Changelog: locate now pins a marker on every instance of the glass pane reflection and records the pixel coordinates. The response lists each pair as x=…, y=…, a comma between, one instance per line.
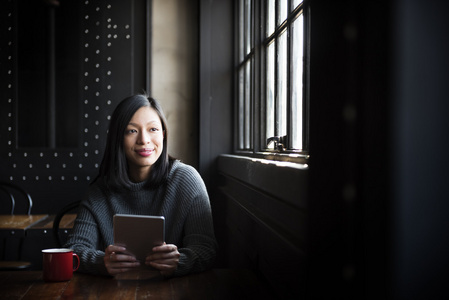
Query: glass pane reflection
x=248, y=105
x=270, y=17
x=281, y=117
x=241, y=30
x=270, y=91
x=248, y=26
x=297, y=81
x=283, y=11
x=241, y=111
x=295, y=3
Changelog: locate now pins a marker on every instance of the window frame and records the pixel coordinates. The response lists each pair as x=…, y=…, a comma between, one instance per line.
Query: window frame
x=257, y=59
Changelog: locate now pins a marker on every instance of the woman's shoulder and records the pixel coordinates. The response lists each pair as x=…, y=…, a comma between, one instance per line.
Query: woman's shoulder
x=184, y=172
x=98, y=190
x=180, y=168
x=185, y=182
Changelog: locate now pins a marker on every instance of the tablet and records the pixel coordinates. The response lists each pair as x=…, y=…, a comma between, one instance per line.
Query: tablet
x=138, y=234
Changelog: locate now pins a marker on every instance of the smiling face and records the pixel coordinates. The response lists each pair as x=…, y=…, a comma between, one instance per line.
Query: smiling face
x=143, y=142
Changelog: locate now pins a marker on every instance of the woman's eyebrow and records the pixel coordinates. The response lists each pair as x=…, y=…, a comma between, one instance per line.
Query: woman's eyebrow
x=149, y=122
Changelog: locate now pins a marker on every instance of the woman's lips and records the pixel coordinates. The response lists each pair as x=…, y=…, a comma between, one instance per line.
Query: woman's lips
x=144, y=152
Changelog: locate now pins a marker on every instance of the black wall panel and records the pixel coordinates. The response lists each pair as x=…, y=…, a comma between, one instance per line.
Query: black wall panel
x=110, y=62
x=262, y=225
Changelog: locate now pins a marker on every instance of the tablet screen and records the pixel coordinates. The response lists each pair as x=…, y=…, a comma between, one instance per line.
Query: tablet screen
x=139, y=234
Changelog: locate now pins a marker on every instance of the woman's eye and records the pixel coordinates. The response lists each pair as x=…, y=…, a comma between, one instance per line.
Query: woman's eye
x=131, y=131
x=154, y=129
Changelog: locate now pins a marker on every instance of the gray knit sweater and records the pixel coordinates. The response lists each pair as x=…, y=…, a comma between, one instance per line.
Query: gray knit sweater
x=184, y=203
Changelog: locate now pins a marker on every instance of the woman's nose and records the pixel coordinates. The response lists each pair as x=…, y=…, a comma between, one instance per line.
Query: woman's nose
x=144, y=138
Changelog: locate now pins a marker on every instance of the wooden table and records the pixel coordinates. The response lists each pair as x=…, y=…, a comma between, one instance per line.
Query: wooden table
x=12, y=234
x=45, y=226
x=213, y=284
x=23, y=237
x=18, y=224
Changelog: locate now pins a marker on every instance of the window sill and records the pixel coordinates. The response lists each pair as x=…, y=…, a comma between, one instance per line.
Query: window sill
x=292, y=157
x=284, y=180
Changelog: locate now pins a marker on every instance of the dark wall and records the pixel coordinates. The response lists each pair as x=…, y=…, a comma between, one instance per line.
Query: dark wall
x=262, y=221
x=65, y=89
x=216, y=84
x=420, y=163
x=349, y=144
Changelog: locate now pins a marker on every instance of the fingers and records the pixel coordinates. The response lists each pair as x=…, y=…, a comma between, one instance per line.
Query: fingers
x=117, y=253
x=165, y=248
x=117, y=257
x=164, y=252
x=165, y=258
x=114, y=248
x=117, y=262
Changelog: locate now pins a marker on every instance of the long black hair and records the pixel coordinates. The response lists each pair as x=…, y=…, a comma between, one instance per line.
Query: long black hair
x=114, y=167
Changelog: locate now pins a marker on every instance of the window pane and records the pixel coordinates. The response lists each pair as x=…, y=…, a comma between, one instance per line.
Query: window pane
x=241, y=111
x=241, y=29
x=248, y=105
x=281, y=113
x=270, y=92
x=270, y=22
x=282, y=72
x=295, y=3
x=297, y=81
x=283, y=11
x=248, y=26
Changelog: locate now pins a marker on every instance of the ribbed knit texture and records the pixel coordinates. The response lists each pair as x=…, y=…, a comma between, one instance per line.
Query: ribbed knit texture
x=184, y=203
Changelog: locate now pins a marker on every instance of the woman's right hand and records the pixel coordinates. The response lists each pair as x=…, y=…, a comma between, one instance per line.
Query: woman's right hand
x=116, y=262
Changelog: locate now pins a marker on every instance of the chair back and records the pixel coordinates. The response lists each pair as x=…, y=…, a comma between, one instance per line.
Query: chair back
x=7, y=195
x=69, y=207
x=15, y=192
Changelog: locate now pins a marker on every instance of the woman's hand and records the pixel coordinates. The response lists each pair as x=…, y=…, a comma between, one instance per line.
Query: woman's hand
x=165, y=258
x=116, y=262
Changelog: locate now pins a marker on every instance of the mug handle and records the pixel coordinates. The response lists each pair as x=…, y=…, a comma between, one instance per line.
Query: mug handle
x=77, y=262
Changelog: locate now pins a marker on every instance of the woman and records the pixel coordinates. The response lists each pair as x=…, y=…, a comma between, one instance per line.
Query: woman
x=137, y=176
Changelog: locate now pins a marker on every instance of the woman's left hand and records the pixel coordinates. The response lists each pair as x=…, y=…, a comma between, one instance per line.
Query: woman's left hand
x=165, y=258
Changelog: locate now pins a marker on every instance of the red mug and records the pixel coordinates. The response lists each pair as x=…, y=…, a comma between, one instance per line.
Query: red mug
x=58, y=264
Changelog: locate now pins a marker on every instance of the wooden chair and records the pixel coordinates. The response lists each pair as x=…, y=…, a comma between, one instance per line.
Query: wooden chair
x=56, y=222
x=10, y=197
x=7, y=188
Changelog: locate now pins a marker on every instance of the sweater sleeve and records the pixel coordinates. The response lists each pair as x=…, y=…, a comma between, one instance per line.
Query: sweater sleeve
x=199, y=246
x=85, y=239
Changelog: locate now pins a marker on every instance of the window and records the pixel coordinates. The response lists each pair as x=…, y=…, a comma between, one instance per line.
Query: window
x=271, y=77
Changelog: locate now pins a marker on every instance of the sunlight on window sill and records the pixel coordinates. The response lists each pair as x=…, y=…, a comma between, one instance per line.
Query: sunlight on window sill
x=278, y=163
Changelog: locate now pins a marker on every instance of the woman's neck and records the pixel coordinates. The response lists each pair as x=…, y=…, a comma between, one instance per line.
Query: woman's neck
x=139, y=175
